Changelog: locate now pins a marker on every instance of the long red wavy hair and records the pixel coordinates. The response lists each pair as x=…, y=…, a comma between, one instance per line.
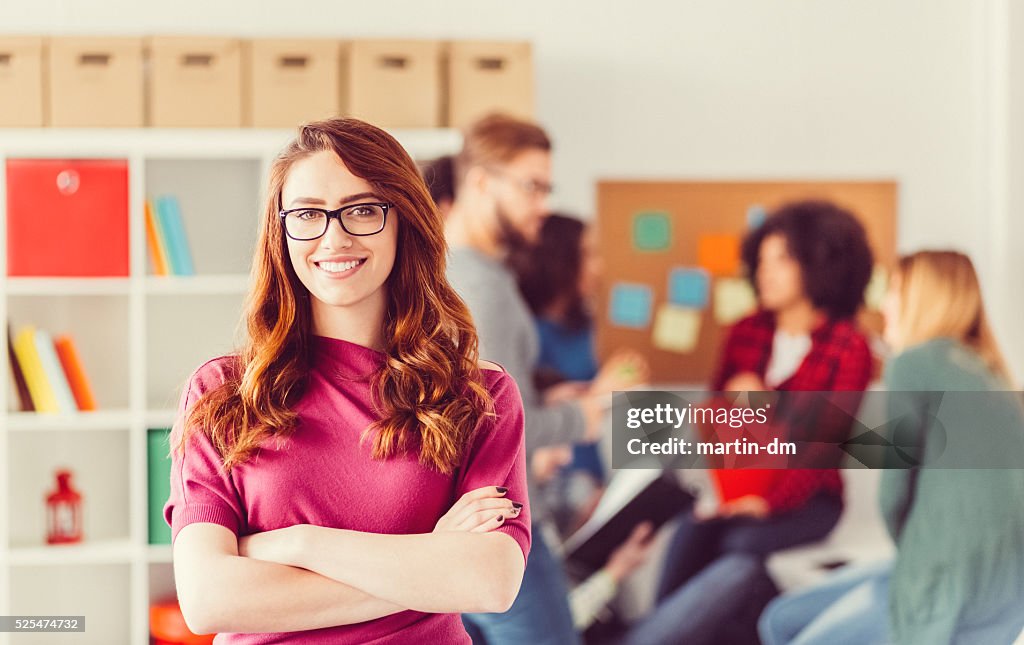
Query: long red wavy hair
x=429, y=393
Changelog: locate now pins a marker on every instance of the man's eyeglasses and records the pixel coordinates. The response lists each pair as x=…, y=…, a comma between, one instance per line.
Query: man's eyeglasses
x=305, y=224
x=532, y=187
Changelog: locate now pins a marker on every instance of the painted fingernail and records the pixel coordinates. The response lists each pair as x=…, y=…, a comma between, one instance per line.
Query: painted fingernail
x=518, y=506
x=500, y=518
x=501, y=490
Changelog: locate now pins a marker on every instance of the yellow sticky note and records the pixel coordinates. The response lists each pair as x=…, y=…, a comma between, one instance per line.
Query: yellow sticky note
x=874, y=293
x=734, y=299
x=676, y=328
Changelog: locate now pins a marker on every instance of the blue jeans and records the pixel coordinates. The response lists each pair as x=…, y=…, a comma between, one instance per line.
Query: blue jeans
x=852, y=606
x=714, y=583
x=695, y=613
x=697, y=543
x=540, y=614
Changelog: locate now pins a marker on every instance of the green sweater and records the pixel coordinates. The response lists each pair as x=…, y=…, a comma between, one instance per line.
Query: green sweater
x=959, y=532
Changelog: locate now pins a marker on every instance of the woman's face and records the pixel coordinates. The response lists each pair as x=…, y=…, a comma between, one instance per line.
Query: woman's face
x=779, y=281
x=891, y=312
x=338, y=269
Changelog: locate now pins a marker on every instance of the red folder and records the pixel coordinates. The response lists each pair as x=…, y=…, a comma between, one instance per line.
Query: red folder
x=67, y=218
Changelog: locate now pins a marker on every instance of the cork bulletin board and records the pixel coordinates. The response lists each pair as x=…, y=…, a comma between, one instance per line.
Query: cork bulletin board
x=673, y=279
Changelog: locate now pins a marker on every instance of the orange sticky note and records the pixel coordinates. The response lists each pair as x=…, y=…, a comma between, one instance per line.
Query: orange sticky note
x=719, y=254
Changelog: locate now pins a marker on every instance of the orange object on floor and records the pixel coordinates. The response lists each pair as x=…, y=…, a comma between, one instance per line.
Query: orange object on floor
x=167, y=626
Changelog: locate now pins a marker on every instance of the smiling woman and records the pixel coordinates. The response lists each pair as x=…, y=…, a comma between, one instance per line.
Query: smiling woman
x=361, y=367
x=344, y=265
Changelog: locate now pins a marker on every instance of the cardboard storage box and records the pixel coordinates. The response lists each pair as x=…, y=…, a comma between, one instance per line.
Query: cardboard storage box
x=486, y=77
x=394, y=83
x=293, y=81
x=195, y=82
x=21, y=81
x=95, y=82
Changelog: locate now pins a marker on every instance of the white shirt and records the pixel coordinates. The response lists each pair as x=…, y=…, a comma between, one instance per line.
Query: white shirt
x=788, y=352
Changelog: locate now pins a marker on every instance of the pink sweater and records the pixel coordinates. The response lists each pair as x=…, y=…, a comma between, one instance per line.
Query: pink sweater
x=323, y=476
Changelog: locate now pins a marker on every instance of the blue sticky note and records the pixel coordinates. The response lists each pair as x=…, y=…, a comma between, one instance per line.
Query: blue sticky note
x=630, y=305
x=652, y=231
x=756, y=215
x=689, y=287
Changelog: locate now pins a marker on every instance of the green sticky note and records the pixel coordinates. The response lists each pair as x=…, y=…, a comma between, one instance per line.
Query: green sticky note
x=652, y=231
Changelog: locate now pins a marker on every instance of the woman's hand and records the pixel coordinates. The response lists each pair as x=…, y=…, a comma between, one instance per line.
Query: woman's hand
x=625, y=369
x=279, y=545
x=753, y=506
x=632, y=553
x=546, y=461
x=565, y=391
x=479, y=511
x=745, y=382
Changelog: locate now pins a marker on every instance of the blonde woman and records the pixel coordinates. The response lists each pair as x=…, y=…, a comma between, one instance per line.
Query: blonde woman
x=958, y=576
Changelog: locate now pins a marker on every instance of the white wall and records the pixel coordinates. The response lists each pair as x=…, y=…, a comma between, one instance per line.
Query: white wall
x=1013, y=292
x=700, y=88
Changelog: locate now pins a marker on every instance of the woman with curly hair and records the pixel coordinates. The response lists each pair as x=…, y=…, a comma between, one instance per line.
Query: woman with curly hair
x=958, y=573
x=809, y=264
x=353, y=473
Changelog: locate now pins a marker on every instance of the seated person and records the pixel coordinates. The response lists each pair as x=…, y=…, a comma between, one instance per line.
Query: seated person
x=809, y=263
x=958, y=574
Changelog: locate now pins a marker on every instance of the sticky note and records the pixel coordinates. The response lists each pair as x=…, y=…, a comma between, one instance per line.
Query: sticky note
x=689, y=287
x=630, y=305
x=734, y=299
x=756, y=214
x=874, y=293
x=652, y=231
x=719, y=254
x=676, y=328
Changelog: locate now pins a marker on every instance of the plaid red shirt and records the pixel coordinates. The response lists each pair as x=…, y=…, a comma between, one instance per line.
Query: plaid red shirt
x=839, y=360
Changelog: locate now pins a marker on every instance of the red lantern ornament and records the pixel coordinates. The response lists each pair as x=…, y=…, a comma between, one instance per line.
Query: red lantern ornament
x=64, y=512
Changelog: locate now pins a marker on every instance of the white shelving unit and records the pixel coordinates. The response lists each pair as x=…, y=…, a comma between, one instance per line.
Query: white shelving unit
x=139, y=338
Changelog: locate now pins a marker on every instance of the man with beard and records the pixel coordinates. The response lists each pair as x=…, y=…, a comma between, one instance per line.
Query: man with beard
x=503, y=180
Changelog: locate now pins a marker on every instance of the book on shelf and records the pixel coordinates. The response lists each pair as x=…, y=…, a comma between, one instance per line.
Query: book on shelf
x=54, y=372
x=51, y=370
x=155, y=241
x=171, y=227
x=71, y=362
x=43, y=397
x=23, y=398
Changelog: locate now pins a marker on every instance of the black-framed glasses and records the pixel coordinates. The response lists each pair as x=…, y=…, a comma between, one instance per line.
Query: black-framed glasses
x=309, y=223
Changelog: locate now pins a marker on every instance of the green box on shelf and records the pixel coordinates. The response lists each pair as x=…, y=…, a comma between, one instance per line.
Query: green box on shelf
x=159, y=476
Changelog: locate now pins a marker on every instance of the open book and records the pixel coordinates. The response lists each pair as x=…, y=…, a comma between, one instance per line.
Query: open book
x=632, y=497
